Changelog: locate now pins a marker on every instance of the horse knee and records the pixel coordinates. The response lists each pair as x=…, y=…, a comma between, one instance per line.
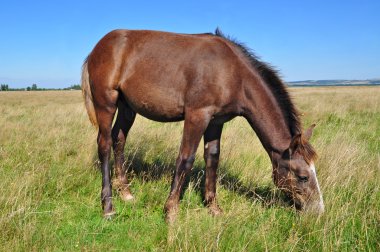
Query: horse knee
x=186, y=162
x=211, y=153
x=104, y=146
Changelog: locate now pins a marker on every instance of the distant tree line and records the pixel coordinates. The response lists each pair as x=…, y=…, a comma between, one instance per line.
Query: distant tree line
x=34, y=87
x=73, y=87
x=4, y=87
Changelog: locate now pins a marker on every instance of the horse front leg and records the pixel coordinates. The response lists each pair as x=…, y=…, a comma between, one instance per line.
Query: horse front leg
x=195, y=124
x=211, y=157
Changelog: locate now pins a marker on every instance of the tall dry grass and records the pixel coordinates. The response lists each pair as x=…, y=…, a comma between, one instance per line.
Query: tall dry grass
x=50, y=189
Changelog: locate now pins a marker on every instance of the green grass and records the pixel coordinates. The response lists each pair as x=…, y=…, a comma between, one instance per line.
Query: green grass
x=50, y=182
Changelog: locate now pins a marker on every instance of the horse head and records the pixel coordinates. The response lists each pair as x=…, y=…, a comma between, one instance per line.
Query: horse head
x=294, y=173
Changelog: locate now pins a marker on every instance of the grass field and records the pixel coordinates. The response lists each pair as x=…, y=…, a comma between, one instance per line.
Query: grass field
x=50, y=182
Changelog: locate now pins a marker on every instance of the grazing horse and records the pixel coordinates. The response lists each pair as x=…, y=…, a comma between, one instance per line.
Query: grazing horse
x=205, y=80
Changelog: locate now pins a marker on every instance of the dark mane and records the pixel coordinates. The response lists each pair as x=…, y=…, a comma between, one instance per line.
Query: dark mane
x=278, y=88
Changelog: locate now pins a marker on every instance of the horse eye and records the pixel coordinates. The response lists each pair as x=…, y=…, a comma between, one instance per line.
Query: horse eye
x=303, y=179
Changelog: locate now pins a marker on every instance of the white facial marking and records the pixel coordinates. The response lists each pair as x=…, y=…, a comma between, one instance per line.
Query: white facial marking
x=321, y=205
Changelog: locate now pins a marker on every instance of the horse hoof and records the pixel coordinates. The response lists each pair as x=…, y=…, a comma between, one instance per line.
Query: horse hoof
x=215, y=210
x=170, y=217
x=109, y=216
x=126, y=196
x=170, y=214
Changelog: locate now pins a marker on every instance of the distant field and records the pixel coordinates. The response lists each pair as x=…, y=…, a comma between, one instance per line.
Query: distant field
x=50, y=183
x=316, y=83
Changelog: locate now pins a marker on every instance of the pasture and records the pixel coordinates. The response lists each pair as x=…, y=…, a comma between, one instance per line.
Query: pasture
x=50, y=181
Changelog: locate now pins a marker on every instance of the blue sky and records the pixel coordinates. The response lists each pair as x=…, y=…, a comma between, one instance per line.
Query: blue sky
x=45, y=42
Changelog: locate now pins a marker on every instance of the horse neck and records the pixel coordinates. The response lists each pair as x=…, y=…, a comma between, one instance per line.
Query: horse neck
x=264, y=114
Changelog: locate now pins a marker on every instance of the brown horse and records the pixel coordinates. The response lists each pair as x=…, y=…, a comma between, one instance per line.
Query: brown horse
x=205, y=80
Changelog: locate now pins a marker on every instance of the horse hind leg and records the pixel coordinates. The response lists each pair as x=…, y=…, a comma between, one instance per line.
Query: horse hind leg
x=104, y=117
x=124, y=121
x=211, y=156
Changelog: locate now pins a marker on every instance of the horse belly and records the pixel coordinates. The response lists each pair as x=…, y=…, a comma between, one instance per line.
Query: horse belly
x=158, y=104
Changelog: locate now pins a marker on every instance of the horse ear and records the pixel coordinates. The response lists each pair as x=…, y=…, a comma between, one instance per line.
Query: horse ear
x=294, y=144
x=309, y=132
x=296, y=141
